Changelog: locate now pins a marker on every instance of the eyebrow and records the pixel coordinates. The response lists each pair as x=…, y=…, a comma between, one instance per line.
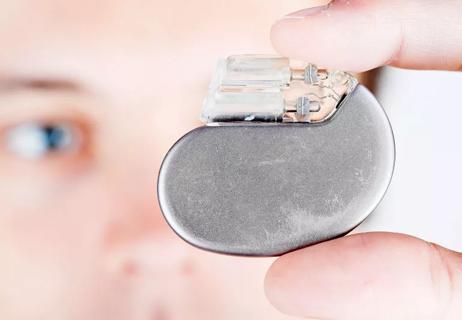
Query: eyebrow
x=38, y=84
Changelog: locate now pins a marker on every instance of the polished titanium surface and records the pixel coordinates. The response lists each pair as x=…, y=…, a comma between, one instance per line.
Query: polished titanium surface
x=260, y=189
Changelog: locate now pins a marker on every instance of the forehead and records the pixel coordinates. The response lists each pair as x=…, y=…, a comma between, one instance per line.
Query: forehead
x=128, y=20
x=148, y=40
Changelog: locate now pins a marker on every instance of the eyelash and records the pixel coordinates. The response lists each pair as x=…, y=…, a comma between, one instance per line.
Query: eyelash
x=46, y=139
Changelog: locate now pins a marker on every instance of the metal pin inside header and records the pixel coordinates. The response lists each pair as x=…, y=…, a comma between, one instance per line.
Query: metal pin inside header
x=266, y=89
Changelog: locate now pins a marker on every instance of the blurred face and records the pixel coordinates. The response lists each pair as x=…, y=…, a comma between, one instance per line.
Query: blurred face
x=92, y=94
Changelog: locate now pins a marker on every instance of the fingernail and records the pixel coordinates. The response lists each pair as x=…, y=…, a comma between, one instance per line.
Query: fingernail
x=300, y=14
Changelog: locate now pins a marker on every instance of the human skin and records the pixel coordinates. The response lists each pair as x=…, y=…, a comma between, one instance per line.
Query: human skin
x=81, y=233
x=372, y=275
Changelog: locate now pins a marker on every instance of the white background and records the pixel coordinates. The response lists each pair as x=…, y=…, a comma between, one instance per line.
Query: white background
x=425, y=196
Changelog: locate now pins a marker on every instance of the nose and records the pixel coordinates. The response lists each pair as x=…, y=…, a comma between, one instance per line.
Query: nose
x=135, y=232
x=137, y=236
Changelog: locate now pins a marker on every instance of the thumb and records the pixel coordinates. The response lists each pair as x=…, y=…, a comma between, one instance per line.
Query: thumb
x=368, y=276
x=358, y=35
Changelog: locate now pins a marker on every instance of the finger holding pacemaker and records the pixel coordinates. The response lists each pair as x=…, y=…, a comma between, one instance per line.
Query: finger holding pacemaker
x=361, y=35
x=368, y=276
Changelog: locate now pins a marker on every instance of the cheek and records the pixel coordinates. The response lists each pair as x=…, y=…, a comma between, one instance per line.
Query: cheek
x=50, y=251
x=50, y=246
x=49, y=219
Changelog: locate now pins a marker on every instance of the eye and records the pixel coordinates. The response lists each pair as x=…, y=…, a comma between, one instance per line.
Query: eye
x=35, y=140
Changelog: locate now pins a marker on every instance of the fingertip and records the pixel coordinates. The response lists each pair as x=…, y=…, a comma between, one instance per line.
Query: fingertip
x=274, y=286
x=363, y=276
x=352, y=38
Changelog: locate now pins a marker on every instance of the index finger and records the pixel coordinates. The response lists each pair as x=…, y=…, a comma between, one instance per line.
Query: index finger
x=358, y=35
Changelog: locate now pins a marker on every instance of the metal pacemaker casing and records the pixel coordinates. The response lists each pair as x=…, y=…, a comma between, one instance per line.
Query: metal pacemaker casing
x=264, y=189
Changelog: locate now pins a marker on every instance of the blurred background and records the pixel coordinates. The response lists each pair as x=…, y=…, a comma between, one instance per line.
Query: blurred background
x=92, y=95
x=423, y=199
